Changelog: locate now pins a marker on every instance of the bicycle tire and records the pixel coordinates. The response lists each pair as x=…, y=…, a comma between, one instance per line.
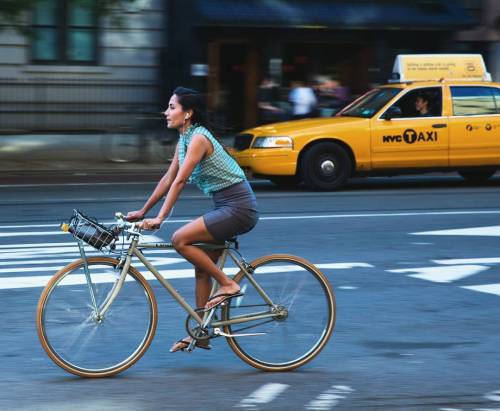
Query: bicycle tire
x=64, y=314
x=278, y=341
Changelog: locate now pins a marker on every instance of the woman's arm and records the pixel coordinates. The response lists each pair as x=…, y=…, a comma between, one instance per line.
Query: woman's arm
x=161, y=189
x=198, y=148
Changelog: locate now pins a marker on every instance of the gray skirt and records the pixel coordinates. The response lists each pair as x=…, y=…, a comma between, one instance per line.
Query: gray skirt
x=235, y=212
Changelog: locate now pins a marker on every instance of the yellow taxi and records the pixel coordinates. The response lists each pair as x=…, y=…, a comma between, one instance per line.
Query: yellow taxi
x=438, y=113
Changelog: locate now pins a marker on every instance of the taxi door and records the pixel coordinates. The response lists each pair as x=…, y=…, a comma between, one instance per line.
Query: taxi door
x=412, y=140
x=475, y=125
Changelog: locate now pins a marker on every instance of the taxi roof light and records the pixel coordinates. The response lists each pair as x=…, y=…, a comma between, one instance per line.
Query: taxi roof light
x=439, y=67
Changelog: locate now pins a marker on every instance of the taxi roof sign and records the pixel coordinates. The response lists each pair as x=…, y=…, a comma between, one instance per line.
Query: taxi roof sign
x=435, y=67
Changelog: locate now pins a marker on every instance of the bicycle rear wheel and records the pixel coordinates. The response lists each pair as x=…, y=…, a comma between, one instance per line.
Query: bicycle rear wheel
x=305, y=302
x=79, y=342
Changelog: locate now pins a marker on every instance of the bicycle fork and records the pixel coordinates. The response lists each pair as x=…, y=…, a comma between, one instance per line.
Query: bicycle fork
x=89, y=281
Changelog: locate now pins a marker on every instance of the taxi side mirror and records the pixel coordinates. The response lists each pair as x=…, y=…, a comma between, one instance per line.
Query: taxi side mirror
x=392, y=112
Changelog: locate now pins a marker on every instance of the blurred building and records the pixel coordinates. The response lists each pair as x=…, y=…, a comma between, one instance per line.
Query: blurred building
x=484, y=37
x=80, y=72
x=84, y=72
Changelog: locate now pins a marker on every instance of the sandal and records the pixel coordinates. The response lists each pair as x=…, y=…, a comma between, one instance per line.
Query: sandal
x=225, y=297
x=184, y=343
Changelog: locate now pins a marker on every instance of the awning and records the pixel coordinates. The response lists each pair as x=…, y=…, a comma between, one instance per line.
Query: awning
x=353, y=14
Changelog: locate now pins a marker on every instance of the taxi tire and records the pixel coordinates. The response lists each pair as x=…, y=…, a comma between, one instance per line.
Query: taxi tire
x=476, y=176
x=325, y=153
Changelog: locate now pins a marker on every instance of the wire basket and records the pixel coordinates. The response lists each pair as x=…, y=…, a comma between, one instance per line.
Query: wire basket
x=91, y=232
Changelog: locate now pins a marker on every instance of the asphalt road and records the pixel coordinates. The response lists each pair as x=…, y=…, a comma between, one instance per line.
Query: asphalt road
x=414, y=261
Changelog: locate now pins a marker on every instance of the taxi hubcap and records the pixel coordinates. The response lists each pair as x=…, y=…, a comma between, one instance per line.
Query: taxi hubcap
x=328, y=167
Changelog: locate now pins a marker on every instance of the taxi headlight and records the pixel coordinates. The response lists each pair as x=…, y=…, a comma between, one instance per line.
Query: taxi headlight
x=273, y=142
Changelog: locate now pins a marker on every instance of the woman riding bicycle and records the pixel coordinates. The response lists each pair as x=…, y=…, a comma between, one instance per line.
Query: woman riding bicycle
x=201, y=159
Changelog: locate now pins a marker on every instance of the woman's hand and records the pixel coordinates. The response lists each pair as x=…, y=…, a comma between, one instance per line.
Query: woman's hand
x=150, y=223
x=134, y=216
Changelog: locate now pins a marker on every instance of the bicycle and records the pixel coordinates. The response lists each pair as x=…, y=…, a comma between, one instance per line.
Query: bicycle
x=97, y=316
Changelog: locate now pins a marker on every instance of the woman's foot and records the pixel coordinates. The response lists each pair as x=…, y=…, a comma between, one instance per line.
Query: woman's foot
x=222, y=294
x=184, y=343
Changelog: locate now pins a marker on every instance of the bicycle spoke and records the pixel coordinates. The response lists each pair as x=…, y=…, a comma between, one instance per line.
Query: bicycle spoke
x=304, y=314
x=85, y=344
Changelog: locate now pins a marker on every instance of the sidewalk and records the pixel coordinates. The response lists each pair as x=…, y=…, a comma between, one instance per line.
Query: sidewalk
x=81, y=157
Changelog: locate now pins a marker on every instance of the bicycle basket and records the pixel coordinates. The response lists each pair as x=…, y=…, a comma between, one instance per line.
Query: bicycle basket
x=91, y=232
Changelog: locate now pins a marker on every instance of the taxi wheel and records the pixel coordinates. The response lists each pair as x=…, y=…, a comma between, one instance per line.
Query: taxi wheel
x=476, y=176
x=326, y=166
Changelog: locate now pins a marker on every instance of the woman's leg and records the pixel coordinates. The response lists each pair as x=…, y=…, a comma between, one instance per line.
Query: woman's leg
x=183, y=240
x=203, y=288
x=204, y=280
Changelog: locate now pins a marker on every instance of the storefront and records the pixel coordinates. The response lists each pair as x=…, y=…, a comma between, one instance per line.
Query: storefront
x=226, y=47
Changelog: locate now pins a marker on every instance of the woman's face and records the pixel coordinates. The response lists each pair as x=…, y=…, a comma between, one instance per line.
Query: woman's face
x=175, y=115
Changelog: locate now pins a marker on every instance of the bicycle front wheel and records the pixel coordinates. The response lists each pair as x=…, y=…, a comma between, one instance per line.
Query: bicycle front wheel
x=72, y=331
x=303, y=302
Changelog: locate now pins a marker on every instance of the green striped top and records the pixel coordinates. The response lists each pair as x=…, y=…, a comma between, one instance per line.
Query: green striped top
x=215, y=172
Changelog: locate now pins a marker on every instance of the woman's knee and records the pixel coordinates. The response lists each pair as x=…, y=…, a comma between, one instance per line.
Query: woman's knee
x=178, y=240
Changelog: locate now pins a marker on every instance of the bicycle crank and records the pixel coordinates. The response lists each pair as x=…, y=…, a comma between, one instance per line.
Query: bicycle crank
x=218, y=331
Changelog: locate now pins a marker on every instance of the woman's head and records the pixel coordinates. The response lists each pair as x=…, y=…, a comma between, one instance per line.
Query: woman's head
x=185, y=107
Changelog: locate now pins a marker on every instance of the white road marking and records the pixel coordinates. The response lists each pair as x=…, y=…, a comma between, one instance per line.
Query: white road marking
x=489, y=231
x=343, y=265
x=493, y=396
x=70, y=251
x=309, y=217
x=31, y=233
x=442, y=274
x=40, y=281
x=485, y=288
x=329, y=398
x=408, y=214
x=262, y=395
x=36, y=245
x=347, y=287
x=156, y=261
x=492, y=260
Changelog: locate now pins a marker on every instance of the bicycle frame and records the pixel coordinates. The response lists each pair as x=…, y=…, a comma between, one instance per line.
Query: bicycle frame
x=135, y=250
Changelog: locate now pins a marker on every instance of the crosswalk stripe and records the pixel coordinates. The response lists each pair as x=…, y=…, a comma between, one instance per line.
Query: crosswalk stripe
x=485, y=288
x=445, y=274
x=42, y=280
x=263, y=395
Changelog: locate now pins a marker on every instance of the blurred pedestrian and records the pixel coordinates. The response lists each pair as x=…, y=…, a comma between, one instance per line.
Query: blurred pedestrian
x=332, y=97
x=302, y=99
x=201, y=159
x=269, y=112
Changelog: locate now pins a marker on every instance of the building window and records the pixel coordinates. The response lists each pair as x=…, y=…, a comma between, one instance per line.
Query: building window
x=65, y=32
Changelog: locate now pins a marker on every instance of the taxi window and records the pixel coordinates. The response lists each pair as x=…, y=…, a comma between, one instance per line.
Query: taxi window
x=473, y=101
x=368, y=105
x=421, y=102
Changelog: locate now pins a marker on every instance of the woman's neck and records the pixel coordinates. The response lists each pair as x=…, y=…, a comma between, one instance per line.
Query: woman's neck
x=185, y=127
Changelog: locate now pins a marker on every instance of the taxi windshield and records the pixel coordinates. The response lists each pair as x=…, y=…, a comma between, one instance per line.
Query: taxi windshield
x=369, y=104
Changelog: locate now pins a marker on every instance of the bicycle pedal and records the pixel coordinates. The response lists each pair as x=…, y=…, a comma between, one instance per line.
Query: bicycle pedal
x=217, y=331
